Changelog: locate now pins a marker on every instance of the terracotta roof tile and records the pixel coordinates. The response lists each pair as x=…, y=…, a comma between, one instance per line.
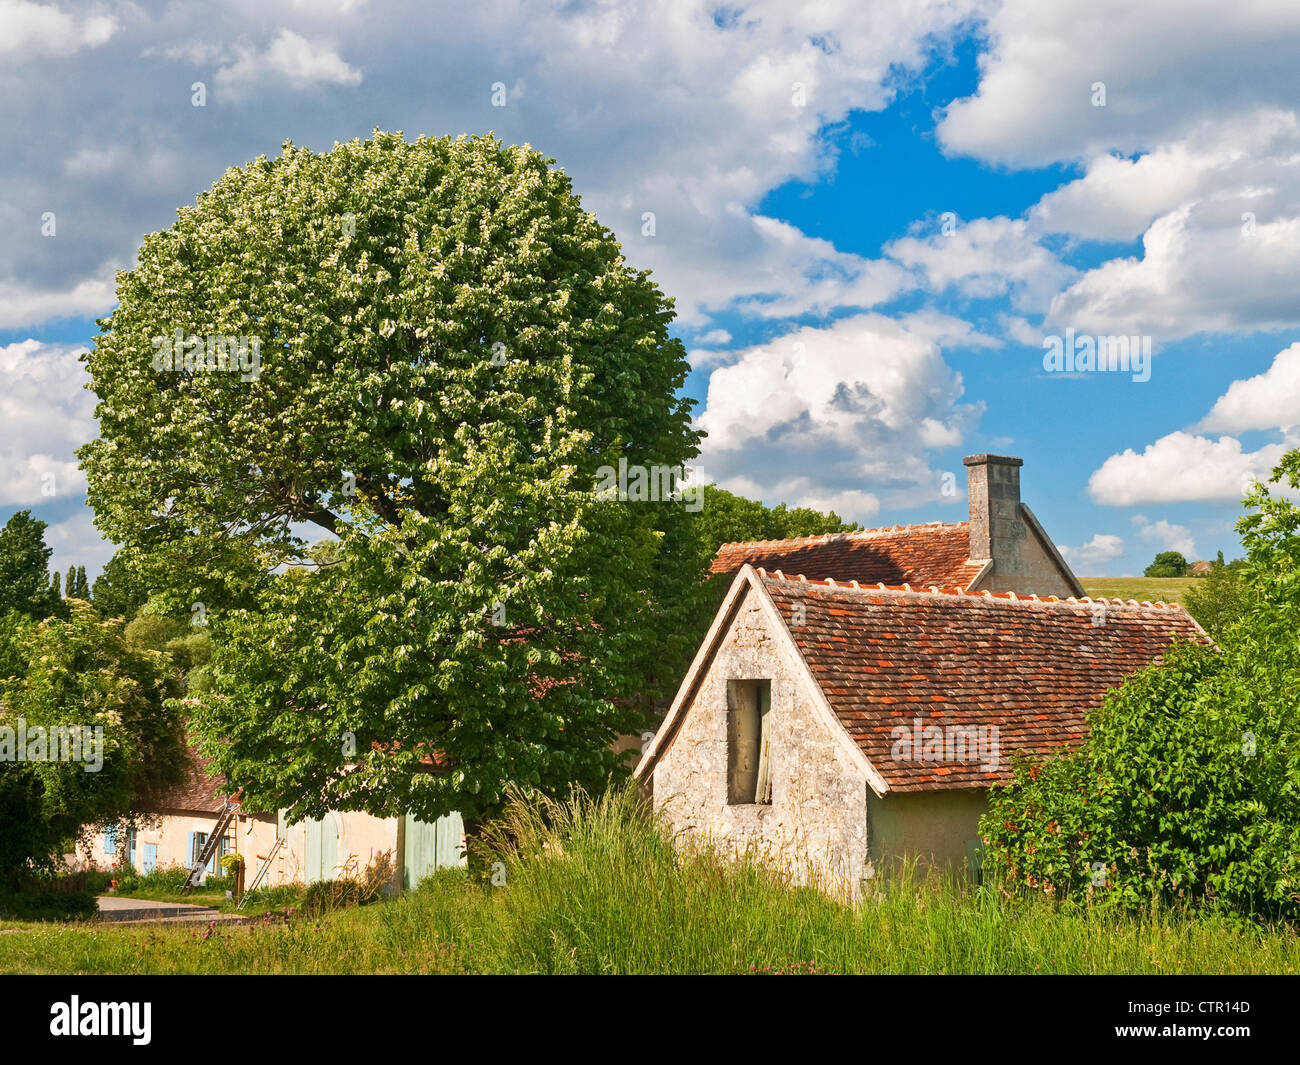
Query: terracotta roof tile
x=201, y=791
x=923, y=555
x=886, y=657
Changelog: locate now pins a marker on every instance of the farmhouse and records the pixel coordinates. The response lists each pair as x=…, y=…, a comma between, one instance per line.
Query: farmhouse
x=834, y=725
x=341, y=843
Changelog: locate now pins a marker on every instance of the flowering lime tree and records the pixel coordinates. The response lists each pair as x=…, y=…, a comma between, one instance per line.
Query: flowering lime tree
x=426, y=351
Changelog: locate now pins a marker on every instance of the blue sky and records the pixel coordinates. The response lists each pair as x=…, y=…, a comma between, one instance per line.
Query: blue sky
x=872, y=221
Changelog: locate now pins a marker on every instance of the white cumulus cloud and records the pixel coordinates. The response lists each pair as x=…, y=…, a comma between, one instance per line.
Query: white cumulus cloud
x=1103, y=547
x=290, y=59
x=838, y=417
x=45, y=415
x=1270, y=400
x=1171, y=537
x=29, y=30
x=1180, y=468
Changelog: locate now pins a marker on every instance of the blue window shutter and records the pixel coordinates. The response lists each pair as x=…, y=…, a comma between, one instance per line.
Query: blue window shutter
x=189, y=850
x=130, y=848
x=110, y=839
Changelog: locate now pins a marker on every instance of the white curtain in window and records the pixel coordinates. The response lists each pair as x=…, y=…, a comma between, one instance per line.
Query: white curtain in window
x=763, y=791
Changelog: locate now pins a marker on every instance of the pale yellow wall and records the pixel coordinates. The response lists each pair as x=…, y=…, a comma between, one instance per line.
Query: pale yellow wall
x=360, y=835
x=934, y=827
x=170, y=832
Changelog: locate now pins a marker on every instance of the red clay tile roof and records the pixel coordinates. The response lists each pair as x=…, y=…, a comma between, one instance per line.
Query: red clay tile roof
x=1031, y=667
x=904, y=554
x=200, y=791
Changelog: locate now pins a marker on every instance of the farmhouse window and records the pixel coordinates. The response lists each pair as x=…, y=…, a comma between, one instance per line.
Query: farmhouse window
x=749, y=742
x=198, y=840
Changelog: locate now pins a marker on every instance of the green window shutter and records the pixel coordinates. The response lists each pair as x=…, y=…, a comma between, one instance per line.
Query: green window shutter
x=431, y=846
x=312, y=852
x=451, y=837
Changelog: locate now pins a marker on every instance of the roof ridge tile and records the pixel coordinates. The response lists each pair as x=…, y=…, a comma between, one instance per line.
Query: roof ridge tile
x=957, y=592
x=928, y=526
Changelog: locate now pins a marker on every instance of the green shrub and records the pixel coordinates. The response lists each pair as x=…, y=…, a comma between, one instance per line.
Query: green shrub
x=48, y=905
x=352, y=889
x=1219, y=601
x=168, y=880
x=1187, y=788
x=279, y=896
x=326, y=896
x=94, y=881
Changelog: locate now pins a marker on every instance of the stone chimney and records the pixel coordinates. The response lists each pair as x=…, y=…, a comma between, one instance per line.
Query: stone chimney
x=996, y=526
x=1004, y=530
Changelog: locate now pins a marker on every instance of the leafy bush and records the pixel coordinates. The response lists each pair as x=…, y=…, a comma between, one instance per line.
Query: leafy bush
x=48, y=905
x=278, y=896
x=352, y=889
x=325, y=896
x=80, y=673
x=1187, y=788
x=94, y=881
x=1220, y=600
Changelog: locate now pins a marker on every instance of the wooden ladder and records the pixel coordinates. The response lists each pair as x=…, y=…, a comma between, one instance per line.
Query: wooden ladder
x=211, y=844
x=261, y=873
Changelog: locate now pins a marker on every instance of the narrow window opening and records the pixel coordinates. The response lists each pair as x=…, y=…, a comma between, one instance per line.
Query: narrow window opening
x=749, y=742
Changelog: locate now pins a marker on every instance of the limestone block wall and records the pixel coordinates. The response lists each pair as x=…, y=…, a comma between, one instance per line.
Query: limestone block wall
x=1024, y=565
x=815, y=827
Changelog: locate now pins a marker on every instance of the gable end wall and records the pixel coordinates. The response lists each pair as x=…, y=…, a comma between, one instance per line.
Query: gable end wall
x=816, y=825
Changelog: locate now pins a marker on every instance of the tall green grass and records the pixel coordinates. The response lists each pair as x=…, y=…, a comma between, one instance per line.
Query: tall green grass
x=593, y=886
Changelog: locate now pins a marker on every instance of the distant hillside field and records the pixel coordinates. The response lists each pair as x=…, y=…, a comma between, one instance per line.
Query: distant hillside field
x=1168, y=589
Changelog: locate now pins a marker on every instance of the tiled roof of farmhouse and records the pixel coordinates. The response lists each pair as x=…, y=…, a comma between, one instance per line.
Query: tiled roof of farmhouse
x=200, y=791
x=1033, y=667
x=937, y=553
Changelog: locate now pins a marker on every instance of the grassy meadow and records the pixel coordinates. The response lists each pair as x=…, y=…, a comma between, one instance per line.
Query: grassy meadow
x=1154, y=589
x=593, y=887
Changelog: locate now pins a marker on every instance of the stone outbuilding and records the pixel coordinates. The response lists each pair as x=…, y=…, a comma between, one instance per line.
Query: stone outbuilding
x=833, y=726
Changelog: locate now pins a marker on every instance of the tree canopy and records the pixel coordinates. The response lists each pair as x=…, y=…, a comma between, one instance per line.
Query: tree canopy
x=116, y=592
x=25, y=584
x=1167, y=564
x=448, y=349
x=78, y=672
x=728, y=518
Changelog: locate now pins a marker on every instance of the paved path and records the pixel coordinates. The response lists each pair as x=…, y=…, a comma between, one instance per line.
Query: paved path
x=114, y=908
